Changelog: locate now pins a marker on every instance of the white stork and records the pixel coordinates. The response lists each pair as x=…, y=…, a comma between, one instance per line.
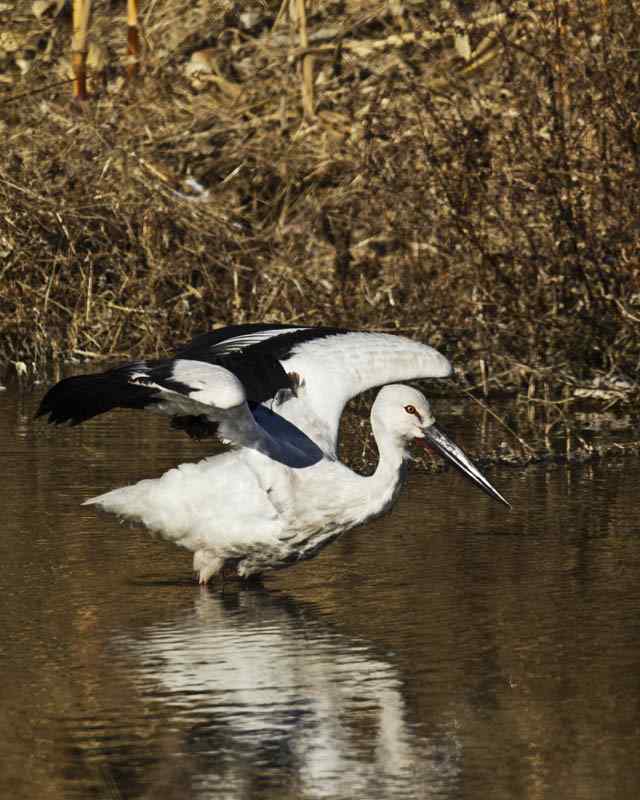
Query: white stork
x=276, y=393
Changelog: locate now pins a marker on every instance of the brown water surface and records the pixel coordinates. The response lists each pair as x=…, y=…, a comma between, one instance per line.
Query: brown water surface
x=452, y=649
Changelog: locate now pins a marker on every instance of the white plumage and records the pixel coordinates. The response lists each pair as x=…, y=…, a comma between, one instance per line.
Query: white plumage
x=275, y=393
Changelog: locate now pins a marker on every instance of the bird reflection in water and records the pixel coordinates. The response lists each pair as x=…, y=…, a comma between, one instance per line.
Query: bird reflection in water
x=265, y=691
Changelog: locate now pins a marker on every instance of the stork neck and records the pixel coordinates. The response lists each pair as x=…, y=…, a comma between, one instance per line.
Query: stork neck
x=378, y=492
x=391, y=469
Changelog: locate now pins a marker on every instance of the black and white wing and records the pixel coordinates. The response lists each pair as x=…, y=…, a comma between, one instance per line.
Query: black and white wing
x=177, y=388
x=318, y=369
x=246, y=352
x=305, y=374
x=206, y=396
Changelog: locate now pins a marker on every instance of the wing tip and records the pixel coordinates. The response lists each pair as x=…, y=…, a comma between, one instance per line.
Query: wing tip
x=442, y=367
x=447, y=367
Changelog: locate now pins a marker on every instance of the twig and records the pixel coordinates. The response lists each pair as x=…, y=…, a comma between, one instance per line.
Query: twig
x=307, y=64
x=36, y=91
x=626, y=313
x=522, y=442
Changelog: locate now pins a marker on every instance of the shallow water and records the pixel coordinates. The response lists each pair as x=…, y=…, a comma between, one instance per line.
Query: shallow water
x=452, y=649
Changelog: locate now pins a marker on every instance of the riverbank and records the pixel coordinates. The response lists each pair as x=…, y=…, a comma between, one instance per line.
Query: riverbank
x=467, y=179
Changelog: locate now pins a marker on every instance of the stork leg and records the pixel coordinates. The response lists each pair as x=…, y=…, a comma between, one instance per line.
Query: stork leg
x=206, y=565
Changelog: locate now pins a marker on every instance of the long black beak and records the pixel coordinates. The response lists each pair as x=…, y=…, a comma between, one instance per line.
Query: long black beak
x=433, y=437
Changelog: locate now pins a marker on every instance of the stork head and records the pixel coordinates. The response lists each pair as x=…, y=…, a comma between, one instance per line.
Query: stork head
x=404, y=413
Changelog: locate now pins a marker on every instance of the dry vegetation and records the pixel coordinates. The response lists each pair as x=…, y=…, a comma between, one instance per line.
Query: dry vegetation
x=466, y=172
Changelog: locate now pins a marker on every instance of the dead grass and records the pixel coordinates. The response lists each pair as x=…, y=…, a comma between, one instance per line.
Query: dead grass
x=471, y=179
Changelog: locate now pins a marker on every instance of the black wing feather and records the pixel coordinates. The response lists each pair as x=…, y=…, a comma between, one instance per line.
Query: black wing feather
x=82, y=397
x=215, y=343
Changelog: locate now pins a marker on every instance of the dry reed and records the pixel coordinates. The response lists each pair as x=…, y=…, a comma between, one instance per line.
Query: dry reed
x=468, y=178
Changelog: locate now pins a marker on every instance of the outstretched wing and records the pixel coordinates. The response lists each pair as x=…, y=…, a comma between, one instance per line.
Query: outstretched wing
x=332, y=370
x=176, y=388
x=245, y=351
x=184, y=390
x=315, y=371
x=306, y=374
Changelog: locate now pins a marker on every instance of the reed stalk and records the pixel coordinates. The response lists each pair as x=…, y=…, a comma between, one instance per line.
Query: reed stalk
x=133, y=40
x=81, y=14
x=307, y=63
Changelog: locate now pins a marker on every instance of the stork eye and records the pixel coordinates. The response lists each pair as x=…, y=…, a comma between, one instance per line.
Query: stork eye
x=411, y=410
